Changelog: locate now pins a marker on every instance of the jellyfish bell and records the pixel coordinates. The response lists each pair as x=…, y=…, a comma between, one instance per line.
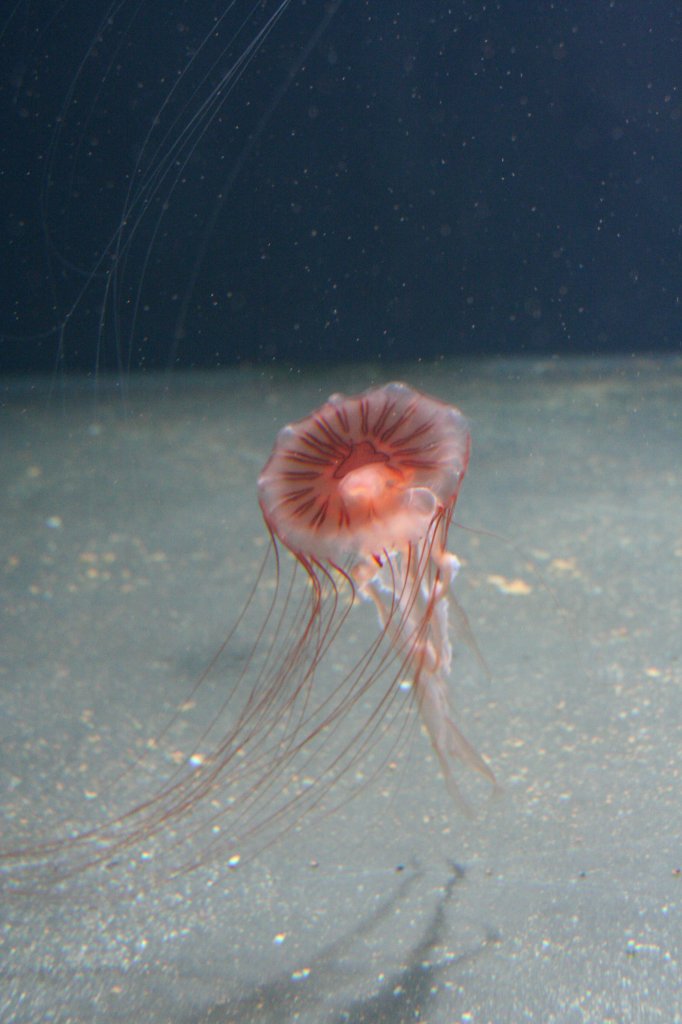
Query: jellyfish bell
x=364, y=474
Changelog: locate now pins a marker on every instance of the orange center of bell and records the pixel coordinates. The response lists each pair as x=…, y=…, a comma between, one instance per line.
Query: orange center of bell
x=359, y=455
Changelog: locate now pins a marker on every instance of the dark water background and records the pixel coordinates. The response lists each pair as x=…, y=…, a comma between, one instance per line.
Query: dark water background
x=386, y=180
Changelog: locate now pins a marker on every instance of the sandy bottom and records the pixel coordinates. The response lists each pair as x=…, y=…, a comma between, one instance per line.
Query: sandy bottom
x=130, y=538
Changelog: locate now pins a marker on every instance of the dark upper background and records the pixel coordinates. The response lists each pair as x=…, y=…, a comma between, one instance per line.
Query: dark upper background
x=437, y=178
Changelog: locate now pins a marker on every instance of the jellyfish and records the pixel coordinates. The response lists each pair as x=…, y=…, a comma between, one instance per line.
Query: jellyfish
x=365, y=488
x=357, y=498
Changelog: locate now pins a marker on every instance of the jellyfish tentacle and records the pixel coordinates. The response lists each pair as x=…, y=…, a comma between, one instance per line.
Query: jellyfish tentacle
x=411, y=592
x=446, y=738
